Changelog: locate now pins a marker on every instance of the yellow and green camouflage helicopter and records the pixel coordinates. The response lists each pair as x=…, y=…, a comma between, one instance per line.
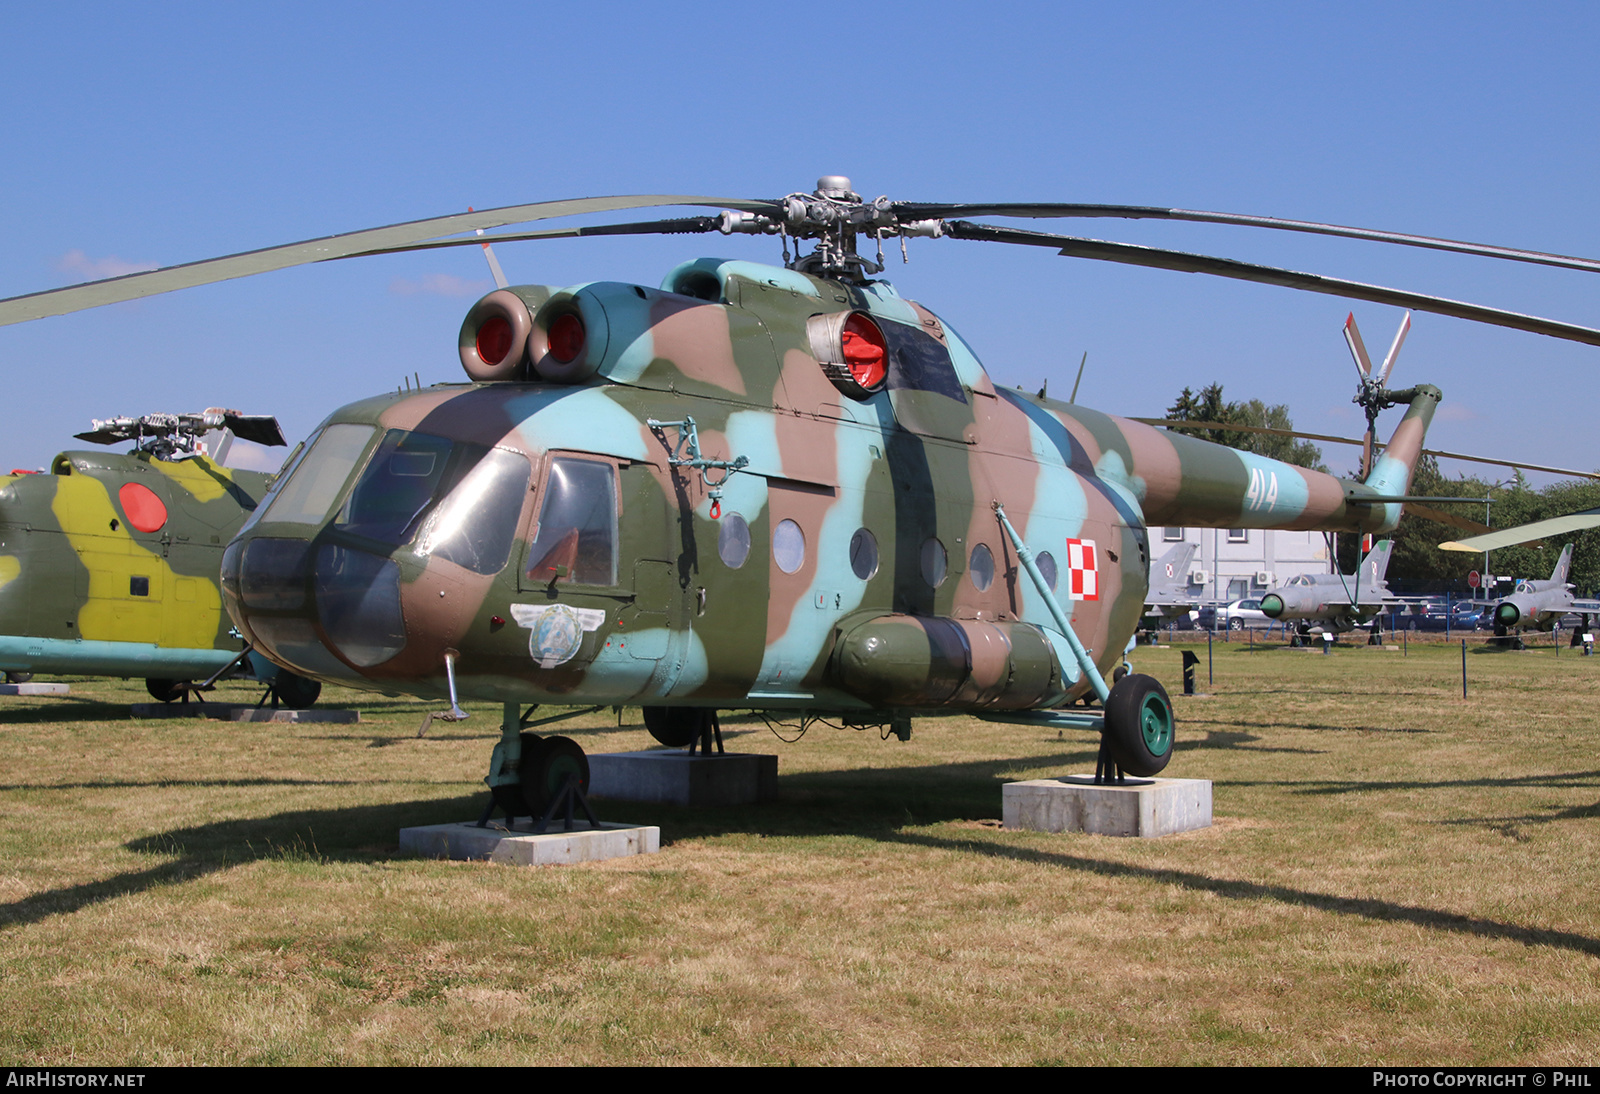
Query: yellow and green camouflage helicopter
x=783, y=489
x=109, y=562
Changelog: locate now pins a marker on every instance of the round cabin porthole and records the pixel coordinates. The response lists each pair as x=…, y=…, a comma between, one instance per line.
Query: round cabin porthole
x=733, y=540
x=935, y=562
x=863, y=554
x=980, y=567
x=788, y=546
x=1047, y=566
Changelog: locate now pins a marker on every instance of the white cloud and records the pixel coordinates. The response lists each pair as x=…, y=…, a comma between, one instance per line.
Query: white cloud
x=95, y=269
x=437, y=285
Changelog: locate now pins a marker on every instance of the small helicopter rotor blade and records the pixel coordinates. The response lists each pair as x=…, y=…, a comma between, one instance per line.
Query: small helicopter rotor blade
x=920, y=211
x=260, y=428
x=1394, y=350
x=1183, y=262
x=370, y=241
x=1358, y=348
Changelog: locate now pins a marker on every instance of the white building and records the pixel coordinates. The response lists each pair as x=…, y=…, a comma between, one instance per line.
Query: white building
x=1235, y=563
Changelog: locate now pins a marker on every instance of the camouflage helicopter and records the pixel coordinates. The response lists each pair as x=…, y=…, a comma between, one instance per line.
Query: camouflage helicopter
x=785, y=489
x=109, y=562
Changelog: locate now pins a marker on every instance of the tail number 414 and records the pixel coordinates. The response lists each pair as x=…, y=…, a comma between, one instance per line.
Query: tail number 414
x=1263, y=492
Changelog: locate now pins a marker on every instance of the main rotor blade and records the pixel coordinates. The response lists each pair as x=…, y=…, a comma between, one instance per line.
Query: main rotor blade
x=678, y=226
x=1441, y=517
x=92, y=294
x=916, y=211
x=1525, y=533
x=1183, y=262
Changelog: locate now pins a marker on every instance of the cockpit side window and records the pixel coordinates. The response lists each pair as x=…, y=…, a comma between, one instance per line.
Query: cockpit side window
x=475, y=525
x=401, y=482
x=308, y=489
x=577, y=533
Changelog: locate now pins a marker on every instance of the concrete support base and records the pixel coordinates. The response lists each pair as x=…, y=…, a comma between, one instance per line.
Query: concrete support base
x=35, y=689
x=517, y=847
x=1141, y=807
x=233, y=712
x=677, y=778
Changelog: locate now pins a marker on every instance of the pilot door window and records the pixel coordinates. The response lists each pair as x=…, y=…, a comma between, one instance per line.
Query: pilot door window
x=575, y=542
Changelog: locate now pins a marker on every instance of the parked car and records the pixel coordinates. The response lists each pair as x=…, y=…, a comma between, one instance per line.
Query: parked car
x=1235, y=616
x=1438, y=614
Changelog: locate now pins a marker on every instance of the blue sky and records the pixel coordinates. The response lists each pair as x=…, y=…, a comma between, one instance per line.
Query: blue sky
x=133, y=135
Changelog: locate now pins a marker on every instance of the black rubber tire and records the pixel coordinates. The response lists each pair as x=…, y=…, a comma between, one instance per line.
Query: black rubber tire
x=1139, y=727
x=24, y=677
x=165, y=691
x=296, y=692
x=545, y=767
x=509, y=797
x=675, y=727
x=1236, y=624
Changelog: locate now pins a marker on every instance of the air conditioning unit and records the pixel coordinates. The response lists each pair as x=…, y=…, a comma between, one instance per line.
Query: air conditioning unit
x=1265, y=578
x=1199, y=577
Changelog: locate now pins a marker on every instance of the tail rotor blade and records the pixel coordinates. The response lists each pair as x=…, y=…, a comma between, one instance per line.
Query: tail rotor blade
x=1394, y=350
x=1358, y=348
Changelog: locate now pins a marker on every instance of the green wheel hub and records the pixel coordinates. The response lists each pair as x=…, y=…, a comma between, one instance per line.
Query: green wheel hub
x=1155, y=723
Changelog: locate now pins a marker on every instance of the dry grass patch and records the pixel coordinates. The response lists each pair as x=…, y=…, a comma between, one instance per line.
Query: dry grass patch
x=1396, y=875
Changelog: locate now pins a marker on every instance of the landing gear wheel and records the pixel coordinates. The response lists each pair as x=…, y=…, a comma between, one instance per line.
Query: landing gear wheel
x=24, y=677
x=166, y=691
x=545, y=767
x=675, y=727
x=296, y=692
x=1139, y=725
x=509, y=797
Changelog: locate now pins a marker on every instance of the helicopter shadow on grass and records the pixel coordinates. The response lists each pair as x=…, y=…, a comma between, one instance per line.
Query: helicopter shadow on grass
x=868, y=802
x=1574, y=780
x=67, y=708
x=351, y=834
x=1512, y=827
x=1315, y=727
x=1369, y=908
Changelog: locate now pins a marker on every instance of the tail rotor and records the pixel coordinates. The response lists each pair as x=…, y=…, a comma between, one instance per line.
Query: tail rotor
x=1372, y=392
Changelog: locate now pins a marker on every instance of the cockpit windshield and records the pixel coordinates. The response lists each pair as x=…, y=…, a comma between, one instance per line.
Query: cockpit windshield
x=459, y=501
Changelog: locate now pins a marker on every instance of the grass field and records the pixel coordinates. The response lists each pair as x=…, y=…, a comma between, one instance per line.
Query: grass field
x=1396, y=876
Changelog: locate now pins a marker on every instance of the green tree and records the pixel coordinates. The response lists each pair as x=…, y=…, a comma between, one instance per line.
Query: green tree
x=1209, y=406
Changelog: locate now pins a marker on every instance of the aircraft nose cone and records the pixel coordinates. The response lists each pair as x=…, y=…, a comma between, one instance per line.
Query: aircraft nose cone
x=278, y=591
x=1272, y=605
x=1507, y=615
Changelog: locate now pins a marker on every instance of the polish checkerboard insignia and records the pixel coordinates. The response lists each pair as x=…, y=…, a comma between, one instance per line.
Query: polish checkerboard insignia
x=1083, y=574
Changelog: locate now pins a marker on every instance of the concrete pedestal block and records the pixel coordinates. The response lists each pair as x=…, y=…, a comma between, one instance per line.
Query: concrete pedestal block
x=518, y=847
x=1140, y=807
x=35, y=689
x=677, y=778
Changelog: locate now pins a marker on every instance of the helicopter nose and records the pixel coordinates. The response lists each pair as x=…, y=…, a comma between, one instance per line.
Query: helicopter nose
x=301, y=603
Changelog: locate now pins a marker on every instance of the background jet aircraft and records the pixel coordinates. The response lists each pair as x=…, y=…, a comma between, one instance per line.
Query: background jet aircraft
x=1538, y=605
x=1169, y=595
x=1335, y=602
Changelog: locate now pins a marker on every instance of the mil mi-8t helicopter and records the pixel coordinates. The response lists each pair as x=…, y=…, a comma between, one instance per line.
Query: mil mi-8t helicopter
x=785, y=489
